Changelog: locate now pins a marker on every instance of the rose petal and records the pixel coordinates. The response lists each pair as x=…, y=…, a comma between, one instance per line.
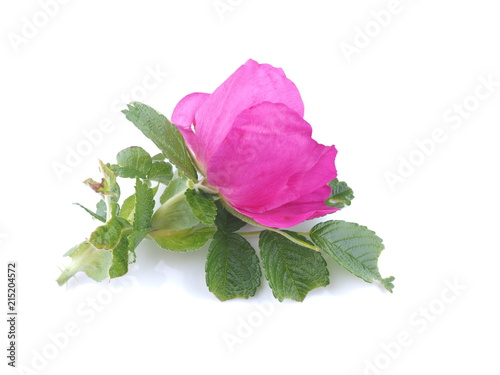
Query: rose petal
x=251, y=84
x=269, y=159
x=306, y=207
x=184, y=117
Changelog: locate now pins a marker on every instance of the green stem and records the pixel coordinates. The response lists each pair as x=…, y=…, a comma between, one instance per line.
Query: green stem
x=250, y=221
x=254, y=233
x=205, y=189
x=284, y=234
x=293, y=239
x=66, y=274
x=257, y=232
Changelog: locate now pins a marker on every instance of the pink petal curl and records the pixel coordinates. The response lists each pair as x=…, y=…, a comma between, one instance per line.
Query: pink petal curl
x=269, y=159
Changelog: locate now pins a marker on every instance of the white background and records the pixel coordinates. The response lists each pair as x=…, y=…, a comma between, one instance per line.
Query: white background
x=86, y=59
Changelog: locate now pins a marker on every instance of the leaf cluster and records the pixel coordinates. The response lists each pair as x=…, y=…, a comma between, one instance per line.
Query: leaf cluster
x=191, y=215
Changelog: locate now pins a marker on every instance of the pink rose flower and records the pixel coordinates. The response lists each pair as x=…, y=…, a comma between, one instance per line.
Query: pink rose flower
x=254, y=147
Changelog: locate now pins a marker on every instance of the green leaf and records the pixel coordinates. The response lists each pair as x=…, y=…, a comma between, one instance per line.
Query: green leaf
x=226, y=222
x=175, y=213
x=176, y=187
x=232, y=268
x=117, y=237
x=134, y=239
x=101, y=208
x=158, y=157
x=93, y=214
x=155, y=189
x=108, y=236
x=128, y=209
x=95, y=263
x=144, y=205
x=164, y=134
x=133, y=162
x=341, y=195
x=354, y=247
x=203, y=206
x=292, y=270
x=183, y=240
x=119, y=265
x=143, y=212
x=161, y=171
